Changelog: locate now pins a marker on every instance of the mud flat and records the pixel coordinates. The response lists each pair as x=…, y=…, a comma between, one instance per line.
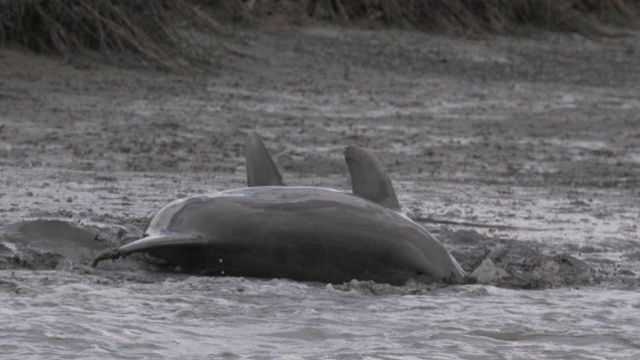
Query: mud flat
x=540, y=134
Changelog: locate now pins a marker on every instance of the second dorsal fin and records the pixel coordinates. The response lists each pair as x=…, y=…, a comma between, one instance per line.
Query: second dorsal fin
x=261, y=170
x=369, y=180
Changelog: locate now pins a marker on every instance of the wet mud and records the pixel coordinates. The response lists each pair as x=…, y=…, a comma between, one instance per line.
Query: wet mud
x=520, y=154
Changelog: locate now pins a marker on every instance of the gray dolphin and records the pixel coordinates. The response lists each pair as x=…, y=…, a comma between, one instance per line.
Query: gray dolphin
x=303, y=233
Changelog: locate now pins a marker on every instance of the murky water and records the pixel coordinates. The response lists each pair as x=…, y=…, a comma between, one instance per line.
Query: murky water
x=48, y=314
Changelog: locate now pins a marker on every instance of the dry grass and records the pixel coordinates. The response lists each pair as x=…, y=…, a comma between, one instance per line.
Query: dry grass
x=488, y=16
x=159, y=32
x=150, y=29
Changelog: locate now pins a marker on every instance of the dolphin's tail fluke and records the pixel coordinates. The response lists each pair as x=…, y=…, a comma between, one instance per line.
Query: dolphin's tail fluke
x=152, y=242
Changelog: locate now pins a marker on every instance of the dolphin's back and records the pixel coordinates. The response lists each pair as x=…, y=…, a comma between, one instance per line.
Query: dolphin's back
x=302, y=233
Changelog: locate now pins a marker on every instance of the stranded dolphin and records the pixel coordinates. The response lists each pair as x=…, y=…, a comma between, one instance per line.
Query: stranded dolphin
x=303, y=233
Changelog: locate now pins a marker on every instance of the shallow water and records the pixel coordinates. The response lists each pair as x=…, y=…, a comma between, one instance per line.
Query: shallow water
x=50, y=314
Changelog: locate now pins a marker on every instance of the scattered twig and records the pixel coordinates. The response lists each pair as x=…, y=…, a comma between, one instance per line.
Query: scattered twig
x=482, y=225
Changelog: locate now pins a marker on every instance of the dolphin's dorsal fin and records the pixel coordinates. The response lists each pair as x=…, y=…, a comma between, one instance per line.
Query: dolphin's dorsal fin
x=369, y=180
x=261, y=170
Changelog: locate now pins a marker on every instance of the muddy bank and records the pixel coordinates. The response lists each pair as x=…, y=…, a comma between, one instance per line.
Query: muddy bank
x=559, y=109
x=65, y=246
x=540, y=133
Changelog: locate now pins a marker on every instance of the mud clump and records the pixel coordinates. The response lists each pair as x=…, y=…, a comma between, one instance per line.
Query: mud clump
x=516, y=264
x=25, y=258
x=488, y=273
x=530, y=268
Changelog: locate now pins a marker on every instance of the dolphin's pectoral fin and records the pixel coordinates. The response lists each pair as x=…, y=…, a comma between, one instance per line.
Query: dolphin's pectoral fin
x=261, y=169
x=151, y=242
x=369, y=180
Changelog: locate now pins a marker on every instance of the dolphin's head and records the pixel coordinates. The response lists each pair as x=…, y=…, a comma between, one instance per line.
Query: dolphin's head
x=176, y=215
x=172, y=235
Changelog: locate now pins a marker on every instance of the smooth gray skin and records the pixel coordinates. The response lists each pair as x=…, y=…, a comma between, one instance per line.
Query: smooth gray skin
x=300, y=233
x=261, y=169
x=369, y=178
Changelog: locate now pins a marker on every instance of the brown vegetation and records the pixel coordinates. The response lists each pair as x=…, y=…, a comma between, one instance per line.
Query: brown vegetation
x=151, y=29
x=488, y=16
x=156, y=30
